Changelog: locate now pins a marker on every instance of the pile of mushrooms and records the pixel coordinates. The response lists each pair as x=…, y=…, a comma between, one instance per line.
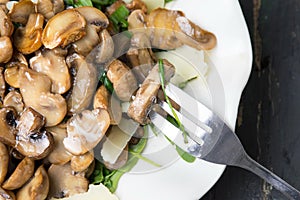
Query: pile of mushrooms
x=53, y=112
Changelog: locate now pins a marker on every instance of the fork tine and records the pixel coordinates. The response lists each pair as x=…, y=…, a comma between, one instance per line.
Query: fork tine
x=175, y=134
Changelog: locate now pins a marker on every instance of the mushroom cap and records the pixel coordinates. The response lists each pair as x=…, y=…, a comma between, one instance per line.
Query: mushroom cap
x=12, y=76
x=85, y=130
x=21, y=10
x=14, y=99
x=21, y=175
x=64, y=182
x=64, y=28
x=6, y=49
x=82, y=162
x=37, y=187
x=28, y=39
x=7, y=126
x=52, y=63
x=6, y=26
x=4, y=160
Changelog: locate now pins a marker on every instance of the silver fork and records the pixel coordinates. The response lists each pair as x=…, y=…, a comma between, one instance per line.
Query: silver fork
x=209, y=138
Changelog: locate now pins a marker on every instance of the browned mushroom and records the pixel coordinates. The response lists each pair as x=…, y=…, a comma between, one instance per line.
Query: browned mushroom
x=147, y=93
x=103, y=99
x=31, y=141
x=64, y=182
x=17, y=60
x=170, y=29
x=2, y=84
x=6, y=195
x=6, y=49
x=84, y=85
x=35, y=90
x=85, y=130
x=12, y=76
x=52, y=63
x=28, y=39
x=137, y=20
x=82, y=162
x=4, y=160
x=20, y=11
x=7, y=126
x=37, y=187
x=64, y=28
x=137, y=4
x=21, y=175
x=6, y=26
x=14, y=99
x=59, y=155
x=123, y=80
x=49, y=8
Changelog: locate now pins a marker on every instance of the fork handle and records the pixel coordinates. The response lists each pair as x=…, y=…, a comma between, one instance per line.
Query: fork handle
x=251, y=165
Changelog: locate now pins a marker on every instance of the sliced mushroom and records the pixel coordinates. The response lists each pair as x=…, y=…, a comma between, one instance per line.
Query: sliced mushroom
x=64, y=28
x=147, y=93
x=6, y=49
x=28, y=39
x=82, y=162
x=59, y=155
x=31, y=141
x=84, y=85
x=85, y=130
x=2, y=84
x=137, y=5
x=7, y=126
x=64, y=182
x=86, y=44
x=94, y=17
x=170, y=29
x=6, y=26
x=4, y=160
x=103, y=99
x=21, y=175
x=137, y=20
x=49, y=8
x=37, y=187
x=6, y=195
x=123, y=80
x=35, y=90
x=14, y=99
x=17, y=60
x=52, y=63
x=12, y=76
x=20, y=11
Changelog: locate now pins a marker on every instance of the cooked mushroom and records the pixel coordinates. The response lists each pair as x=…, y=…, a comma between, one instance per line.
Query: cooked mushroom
x=85, y=130
x=113, y=7
x=103, y=99
x=123, y=80
x=14, y=99
x=84, y=85
x=28, y=39
x=141, y=56
x=49, y=8
x=6, y=26
x=170, y=29
x=7, y=126
x=94, y=17
x=137, y=4
x=82, y=162
x=64, y=28
x=4, y=160
x=31, y=141
x=52, y=63
x=2, y=84
x=6, y=195
x=12, y=76
x=147, y=93
x=6, y=49
x=37, y=187
x=17, y=60
x=64, y=182
x=20, y=11
x=59, y=155
x=137, y=20
x=35, y=90
x=21, y=175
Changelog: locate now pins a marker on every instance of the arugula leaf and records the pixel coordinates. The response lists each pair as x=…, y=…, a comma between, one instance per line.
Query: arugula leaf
x=119, y=18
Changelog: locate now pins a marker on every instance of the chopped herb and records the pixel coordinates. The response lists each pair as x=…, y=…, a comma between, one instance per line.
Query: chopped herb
x=106, y=82
x=104, y=2
x=167, y=1
x=80, y=3
x=162, y=81
x=184, y=83
x=119, y=18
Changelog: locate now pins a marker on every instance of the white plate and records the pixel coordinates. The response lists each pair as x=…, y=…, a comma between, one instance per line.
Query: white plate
x=232, y=58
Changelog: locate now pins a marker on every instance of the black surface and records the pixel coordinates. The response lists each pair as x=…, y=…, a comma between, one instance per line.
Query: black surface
x=269, y=115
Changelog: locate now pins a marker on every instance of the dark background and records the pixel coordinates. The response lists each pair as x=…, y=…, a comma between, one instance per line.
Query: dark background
x=268, y=123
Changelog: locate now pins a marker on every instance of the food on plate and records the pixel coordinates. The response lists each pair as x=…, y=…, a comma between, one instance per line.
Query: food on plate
x=75, y=91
